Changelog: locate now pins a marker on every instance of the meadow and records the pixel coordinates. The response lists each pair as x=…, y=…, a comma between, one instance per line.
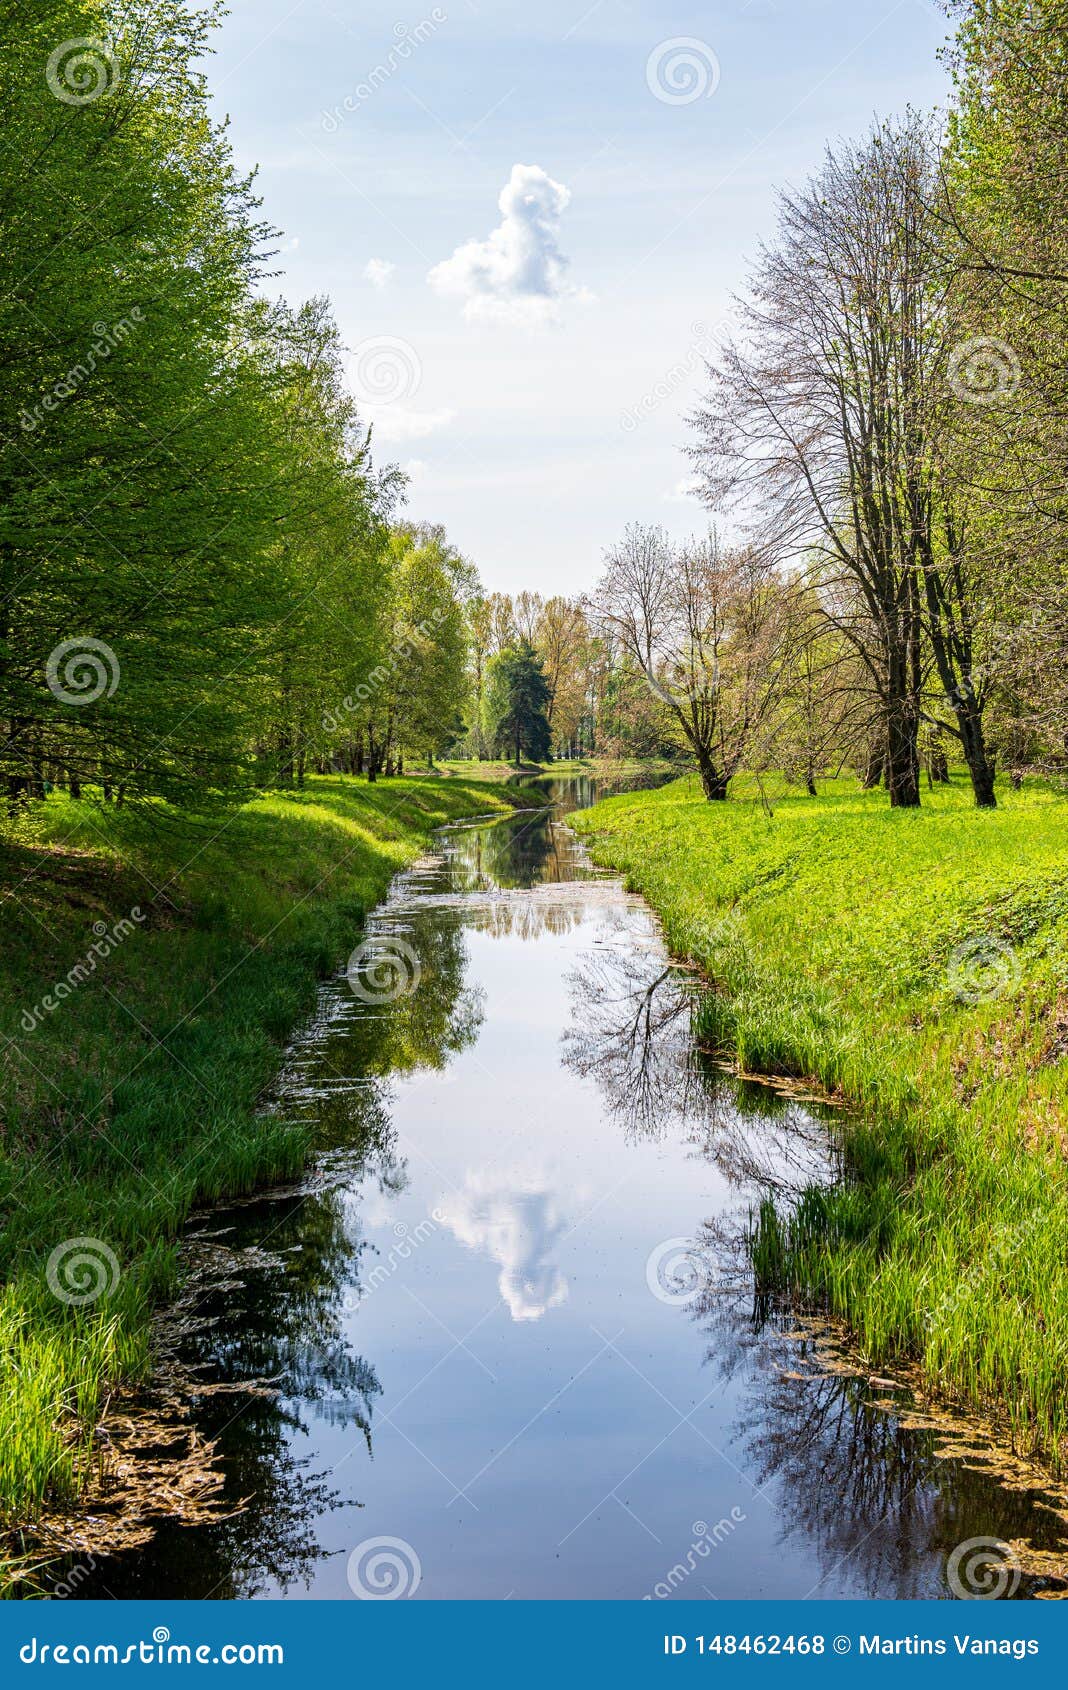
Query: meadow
x=914, y=963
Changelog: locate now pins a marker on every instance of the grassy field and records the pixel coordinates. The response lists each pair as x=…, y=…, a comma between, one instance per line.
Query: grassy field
x=917, y=962
x=153, y=965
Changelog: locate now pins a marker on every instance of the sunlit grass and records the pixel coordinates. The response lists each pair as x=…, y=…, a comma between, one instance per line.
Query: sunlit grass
x=136, y=1096
x=917, y=962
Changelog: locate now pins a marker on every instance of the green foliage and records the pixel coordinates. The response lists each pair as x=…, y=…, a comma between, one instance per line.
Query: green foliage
x=138, y=459
x=516, y=705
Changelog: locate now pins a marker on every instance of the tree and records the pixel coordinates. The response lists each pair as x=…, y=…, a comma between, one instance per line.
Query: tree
x=1006, y=225
x=831, y=415
x=561, y=638
x=707, y=628
x=331, y=571
x=517, y=699
x=137, y=498
x=824, y=706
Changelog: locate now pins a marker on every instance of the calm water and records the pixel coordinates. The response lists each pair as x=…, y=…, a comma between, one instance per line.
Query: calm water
x=507, y=1322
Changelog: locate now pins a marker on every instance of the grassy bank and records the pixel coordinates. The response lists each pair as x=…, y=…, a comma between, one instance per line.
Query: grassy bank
x=153, y=964
x=916, y=962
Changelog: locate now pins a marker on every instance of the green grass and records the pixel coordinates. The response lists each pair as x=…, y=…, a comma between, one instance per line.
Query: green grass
x=134, y=1097
x=917, y=963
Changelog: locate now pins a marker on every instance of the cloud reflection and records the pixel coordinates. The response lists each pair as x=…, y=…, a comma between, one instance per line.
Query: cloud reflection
x=514, y=1219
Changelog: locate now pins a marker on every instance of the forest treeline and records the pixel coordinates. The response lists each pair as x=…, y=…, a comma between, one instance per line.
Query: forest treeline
x=207, y=581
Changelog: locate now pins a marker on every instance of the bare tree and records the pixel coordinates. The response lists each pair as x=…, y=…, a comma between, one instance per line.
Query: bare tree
x=830, y=418
x=707, y=627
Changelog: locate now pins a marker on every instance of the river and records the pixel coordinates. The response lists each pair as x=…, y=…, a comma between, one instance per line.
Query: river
x=503, y=1341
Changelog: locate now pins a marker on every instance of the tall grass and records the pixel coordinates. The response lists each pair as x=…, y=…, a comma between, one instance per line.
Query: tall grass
x=135, y=1097
x=916, y=962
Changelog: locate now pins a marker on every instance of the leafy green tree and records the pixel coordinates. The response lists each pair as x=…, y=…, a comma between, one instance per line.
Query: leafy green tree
x=517, y=704
x=137, y=467
x=330, y=556
x=1006, y=224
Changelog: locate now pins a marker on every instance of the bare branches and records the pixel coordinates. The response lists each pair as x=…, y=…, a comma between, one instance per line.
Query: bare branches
x=708, y=627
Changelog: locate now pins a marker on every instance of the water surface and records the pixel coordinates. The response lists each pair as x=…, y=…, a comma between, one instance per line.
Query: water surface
x=507, y=1323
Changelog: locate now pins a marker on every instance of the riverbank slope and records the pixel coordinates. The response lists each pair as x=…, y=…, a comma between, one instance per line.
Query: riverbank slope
x=917, y=963
x=153, y=965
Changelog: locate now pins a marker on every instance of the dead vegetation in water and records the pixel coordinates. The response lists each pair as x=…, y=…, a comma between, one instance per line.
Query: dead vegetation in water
x=149, y=1463
x=979, y=1444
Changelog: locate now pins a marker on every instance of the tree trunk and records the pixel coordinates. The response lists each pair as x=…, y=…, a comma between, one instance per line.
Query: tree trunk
x=873, y=768
x=938, y=764
x=980, y=763
x=902, y=746
x=951, y=643
x=713, y=784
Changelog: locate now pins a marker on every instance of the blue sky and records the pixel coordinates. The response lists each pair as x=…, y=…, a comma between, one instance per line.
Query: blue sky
x=532, y=366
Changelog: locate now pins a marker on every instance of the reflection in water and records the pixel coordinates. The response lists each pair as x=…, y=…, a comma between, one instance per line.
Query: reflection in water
x=631, y=1034
x=864, y=1491
x=515, y=1139
x=515, y=1221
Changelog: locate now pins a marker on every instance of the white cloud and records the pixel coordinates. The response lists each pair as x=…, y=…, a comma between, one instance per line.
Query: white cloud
x=518, y=273
x=393, y=423
x=378, y=271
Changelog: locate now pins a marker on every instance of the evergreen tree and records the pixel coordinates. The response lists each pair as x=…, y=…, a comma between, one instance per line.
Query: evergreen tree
x=517, y=704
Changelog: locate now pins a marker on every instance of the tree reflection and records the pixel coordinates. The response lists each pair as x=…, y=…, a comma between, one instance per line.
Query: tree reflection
x=863, y=1491
x=631, y=1033
x=868, y=1499
x=522, y=851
